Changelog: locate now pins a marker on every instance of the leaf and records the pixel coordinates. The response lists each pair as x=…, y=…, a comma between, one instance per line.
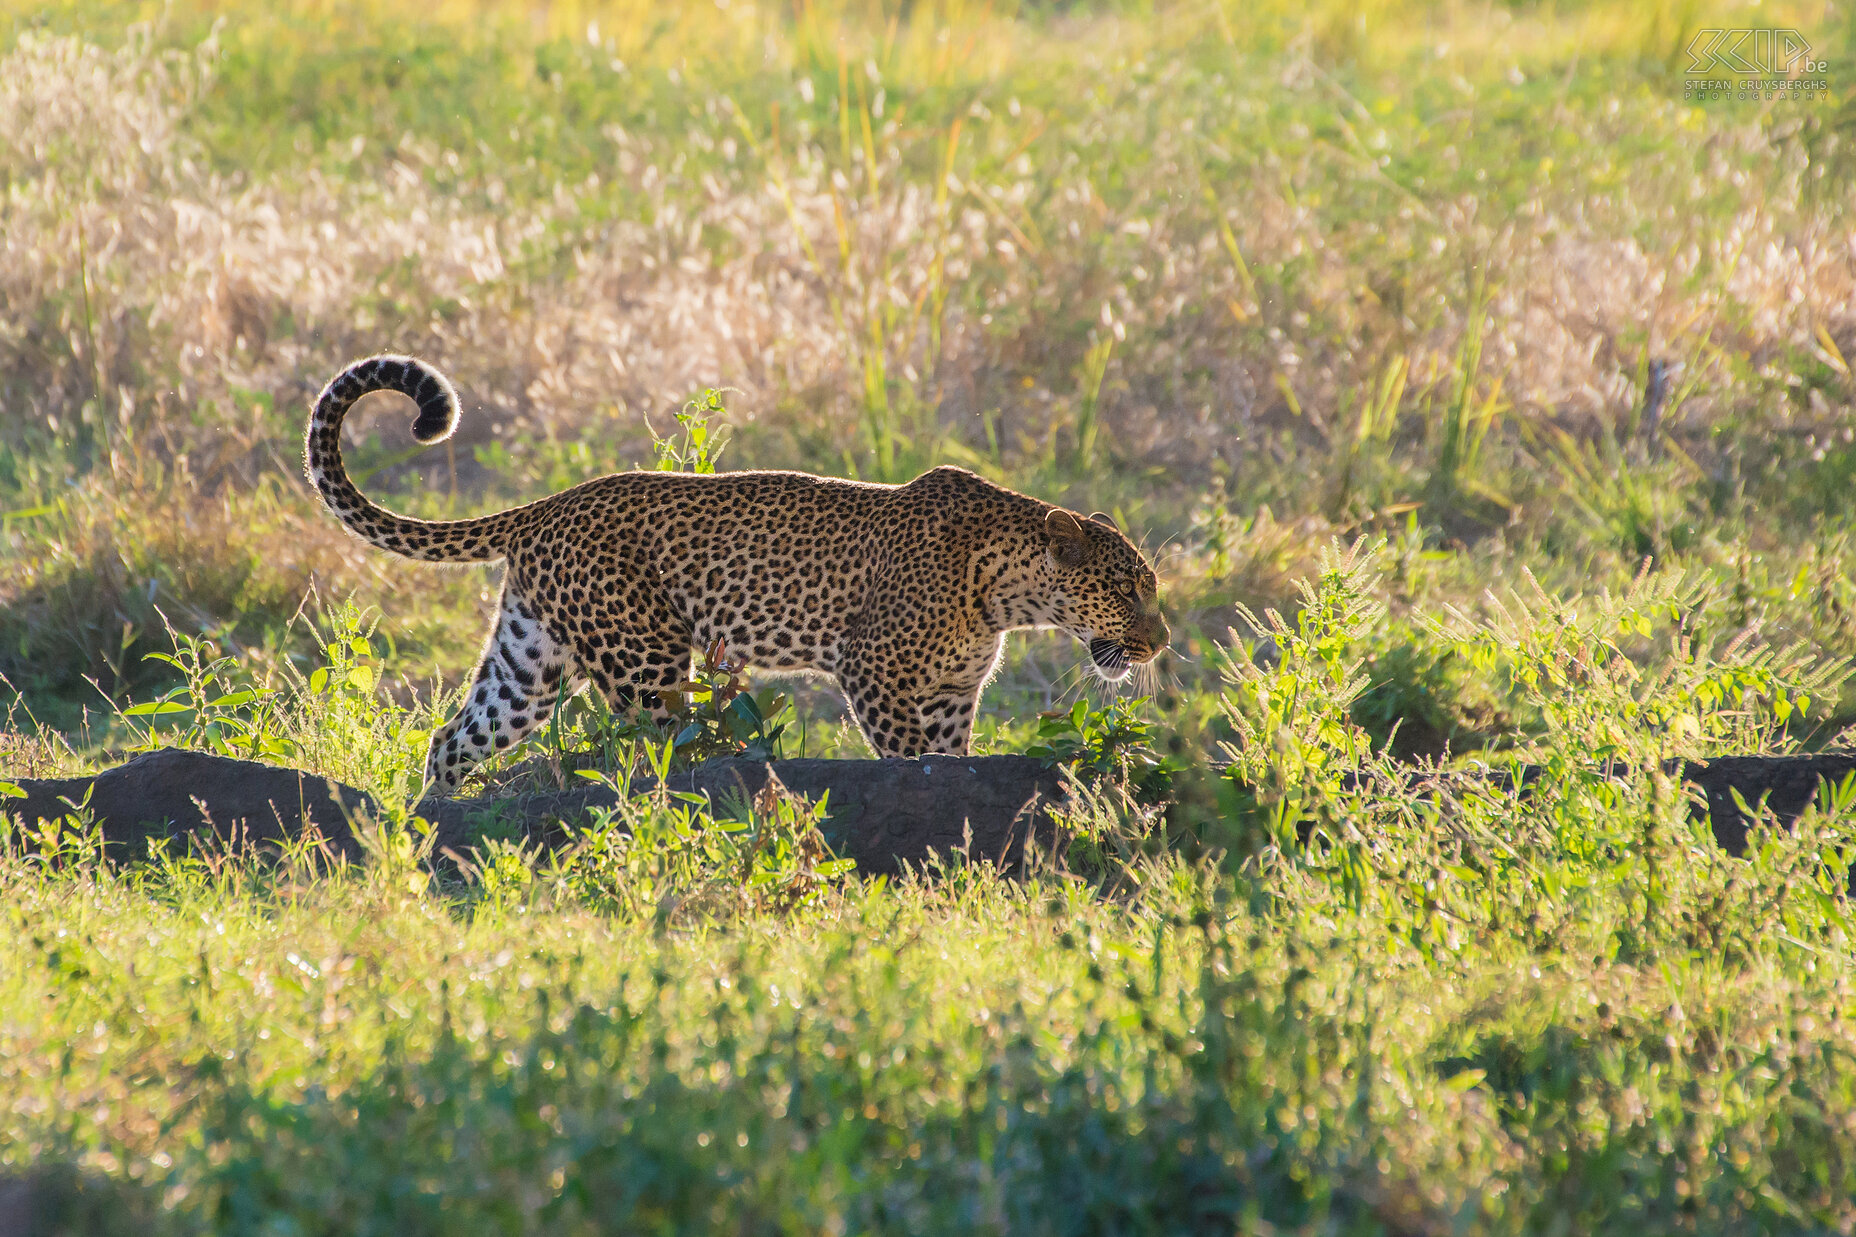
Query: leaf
x=1466, y=1079
x=232, y=700
x=154, y=707
x=319, y=681
x=9, y=791
x=689, y=734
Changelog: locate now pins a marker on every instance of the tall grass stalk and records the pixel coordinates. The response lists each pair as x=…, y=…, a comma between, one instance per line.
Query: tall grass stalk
x=1374, y=419
x=1089, y=392
x=1470, y=412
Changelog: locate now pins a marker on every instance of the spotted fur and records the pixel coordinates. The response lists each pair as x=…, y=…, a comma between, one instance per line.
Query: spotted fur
x=903, y=593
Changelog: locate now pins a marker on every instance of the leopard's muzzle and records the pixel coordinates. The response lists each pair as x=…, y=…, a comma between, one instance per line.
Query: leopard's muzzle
x=1110, y=658
x=1139, y=645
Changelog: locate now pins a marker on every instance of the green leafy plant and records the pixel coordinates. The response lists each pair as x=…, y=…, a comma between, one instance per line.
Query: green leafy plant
x=1114, y=742
x=1636, y=676
x=504, y=873
x=1297, y=751
x=677, y=858
x=712, y=714
x=341, y=720
x=335, y=719
x=702, y=442
x=715, y=714
x=1582, y=838
x=214, y=708
x=70, y=843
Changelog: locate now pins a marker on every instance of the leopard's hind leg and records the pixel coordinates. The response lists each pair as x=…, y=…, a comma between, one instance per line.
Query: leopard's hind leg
x=516, y=688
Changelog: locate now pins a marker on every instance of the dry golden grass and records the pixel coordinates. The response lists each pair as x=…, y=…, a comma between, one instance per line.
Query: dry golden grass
x=1119, y=257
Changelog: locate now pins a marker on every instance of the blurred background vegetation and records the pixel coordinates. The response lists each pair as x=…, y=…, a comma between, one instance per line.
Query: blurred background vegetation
x=1474, y=280
x=1477, y=277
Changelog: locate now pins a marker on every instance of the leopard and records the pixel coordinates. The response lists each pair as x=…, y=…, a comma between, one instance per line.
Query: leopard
x=900, y=593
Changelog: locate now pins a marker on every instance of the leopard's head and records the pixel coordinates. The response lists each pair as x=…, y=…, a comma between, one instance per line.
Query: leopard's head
x=1103, y=592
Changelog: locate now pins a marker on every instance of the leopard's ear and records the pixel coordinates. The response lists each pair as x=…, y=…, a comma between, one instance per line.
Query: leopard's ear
x=1103, y=517
x=1069, y=544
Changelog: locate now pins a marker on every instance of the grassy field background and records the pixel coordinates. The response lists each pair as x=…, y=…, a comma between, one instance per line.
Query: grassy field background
x=1474, y=282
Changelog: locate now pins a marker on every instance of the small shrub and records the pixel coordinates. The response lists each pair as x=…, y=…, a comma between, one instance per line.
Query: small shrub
x=702, y=443
x=214, y=708
x=713, y=714
x=1114, y=742
x=677, y=858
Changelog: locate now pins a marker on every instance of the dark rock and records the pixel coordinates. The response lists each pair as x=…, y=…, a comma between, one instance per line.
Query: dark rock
x=178, y=794
x=53, y=1199
x=1787, y=784
x=882, y=813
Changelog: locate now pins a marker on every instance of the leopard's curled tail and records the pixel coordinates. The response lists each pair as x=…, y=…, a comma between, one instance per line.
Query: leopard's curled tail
x=429, y=541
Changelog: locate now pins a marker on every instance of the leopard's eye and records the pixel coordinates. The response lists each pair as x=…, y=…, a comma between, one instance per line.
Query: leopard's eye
x=1125, y=588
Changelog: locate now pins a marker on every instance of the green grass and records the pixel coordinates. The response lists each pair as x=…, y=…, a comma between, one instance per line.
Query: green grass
x=1385, y=1008
x=1250, y=277
x=951, y=1060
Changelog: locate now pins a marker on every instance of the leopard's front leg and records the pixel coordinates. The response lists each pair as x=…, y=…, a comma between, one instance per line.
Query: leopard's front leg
x=948, y=709
x=947, y=721
x=889, y=717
